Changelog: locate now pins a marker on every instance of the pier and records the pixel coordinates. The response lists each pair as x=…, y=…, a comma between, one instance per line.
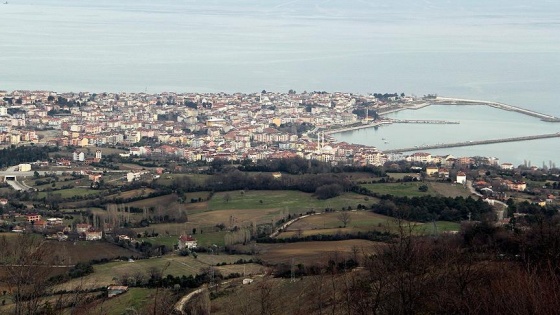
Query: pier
x=473, y=143
x=460, y=101
x=375, y=124
x=424, y=121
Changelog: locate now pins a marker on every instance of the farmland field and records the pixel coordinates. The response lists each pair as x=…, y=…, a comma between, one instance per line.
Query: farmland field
x=164, y=201
x=399, y=189
x=167, y=179
x=448, y=189
x=134, y=299
x=132, y=193
x=294, y=201
x=313, y=252
x=106, y=274
x=69, y=253
x=360, y=221
x=329, y=223
x=69, y=193
x=207, y=238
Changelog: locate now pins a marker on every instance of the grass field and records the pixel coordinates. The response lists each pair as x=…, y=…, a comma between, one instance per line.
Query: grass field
x=280, y=200
x=313, y=252
x=106, y=274
x=127, y=303
x=154, y=202
x=205, y=239
x=400, y=175
x=132, y=193
x=399, y=189
x=69, y=253
x=360, y=221
x=167, y=179
x=448, y=189
x=328, y=223
x=69, y=193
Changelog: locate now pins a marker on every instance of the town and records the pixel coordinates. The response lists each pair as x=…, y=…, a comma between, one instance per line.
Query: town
x=184, y=202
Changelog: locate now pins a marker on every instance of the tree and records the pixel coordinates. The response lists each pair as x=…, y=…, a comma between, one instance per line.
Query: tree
x=26, y=270
x=227, y=197
x=344, y=218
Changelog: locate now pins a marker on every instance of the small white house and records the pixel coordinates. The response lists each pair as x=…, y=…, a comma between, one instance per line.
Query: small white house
x=187, y=241
x=461, y=178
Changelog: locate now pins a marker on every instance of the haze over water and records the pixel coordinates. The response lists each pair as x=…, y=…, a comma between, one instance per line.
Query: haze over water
x=500, y=50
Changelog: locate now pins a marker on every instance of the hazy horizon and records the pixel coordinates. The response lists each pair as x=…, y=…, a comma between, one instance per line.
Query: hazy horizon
x=504, y=50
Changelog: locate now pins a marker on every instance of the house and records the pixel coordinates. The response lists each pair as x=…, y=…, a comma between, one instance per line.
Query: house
x=114, y=290
x=32, y=217
x=461, y=178
x=93, y=235
x=516, y=185
x=3, y=201
x=506, y=166
x=54, y=221
x=188, y=242
x=443, y=172
x=82, y=227
x=277, y=175
x=39, y=225
x=431, y=170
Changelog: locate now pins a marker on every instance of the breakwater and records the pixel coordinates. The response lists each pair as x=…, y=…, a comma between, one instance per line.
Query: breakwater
x=461, y=101
x=342, y=129
x=473, y=143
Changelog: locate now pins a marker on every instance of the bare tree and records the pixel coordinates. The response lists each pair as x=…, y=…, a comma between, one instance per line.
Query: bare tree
x=344, y=218
x=27, y=266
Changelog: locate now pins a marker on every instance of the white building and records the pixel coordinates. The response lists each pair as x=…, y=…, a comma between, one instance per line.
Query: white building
x=78, y=156
x=461, y=178
x=24, y=167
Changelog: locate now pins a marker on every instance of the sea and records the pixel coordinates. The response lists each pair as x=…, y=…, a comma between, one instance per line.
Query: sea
x=501, y=50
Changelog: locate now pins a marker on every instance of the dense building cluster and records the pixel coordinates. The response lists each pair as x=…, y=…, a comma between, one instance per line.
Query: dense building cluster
x=196, y=126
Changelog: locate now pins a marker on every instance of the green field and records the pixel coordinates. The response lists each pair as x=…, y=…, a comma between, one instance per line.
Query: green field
x=399, y=189
x=167, y=179
x=294, y=201
x=440, y=226
x=109, y=273
x=205, y=239
x=127, y=303
x=360, y=221
x=69, y=193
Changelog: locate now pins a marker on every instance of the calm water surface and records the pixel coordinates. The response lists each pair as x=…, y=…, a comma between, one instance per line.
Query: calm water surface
x=500, y=50
x=476, y=123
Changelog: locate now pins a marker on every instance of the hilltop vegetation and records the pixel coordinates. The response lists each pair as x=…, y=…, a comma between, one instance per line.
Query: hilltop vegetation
x=358, y=240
